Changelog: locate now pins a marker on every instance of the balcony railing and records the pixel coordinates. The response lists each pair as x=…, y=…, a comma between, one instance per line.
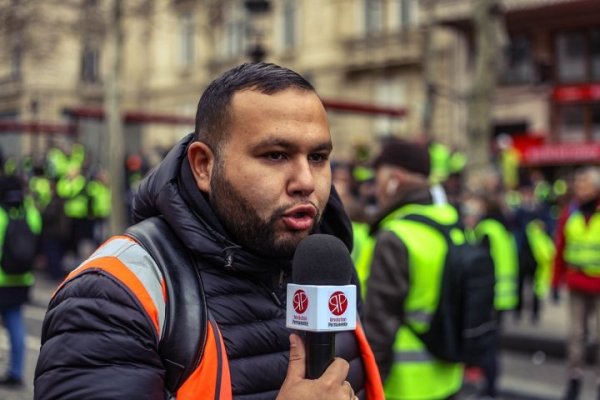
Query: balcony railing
x=384, y=50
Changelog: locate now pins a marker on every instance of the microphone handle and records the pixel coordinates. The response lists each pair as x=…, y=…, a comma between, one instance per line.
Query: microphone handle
x=320, y=352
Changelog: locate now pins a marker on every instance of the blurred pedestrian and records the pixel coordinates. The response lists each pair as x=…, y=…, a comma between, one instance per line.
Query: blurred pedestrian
x=577, y=263
x=535, y=249
x=344, y=181
x=72, y=189
x=99, y=194
x=56, y=234
x=491, y=232
x=405, y=274
x=16, y=280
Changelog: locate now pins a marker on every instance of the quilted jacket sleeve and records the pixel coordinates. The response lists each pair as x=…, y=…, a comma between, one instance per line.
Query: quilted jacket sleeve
x=97, y=343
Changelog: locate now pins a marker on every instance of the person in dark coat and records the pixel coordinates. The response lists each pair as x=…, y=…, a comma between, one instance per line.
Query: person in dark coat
x=239, y=195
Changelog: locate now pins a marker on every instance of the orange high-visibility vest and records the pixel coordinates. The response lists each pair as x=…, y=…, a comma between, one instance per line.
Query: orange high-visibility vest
x=119, y=257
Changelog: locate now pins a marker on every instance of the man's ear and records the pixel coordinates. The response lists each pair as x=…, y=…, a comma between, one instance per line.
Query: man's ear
x=202, y=160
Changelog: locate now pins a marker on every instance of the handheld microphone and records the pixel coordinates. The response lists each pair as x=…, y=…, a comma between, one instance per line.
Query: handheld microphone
x=321, y=300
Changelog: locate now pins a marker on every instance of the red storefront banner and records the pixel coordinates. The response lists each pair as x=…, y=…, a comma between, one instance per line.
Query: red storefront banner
x=576, y=93
x=561, y=154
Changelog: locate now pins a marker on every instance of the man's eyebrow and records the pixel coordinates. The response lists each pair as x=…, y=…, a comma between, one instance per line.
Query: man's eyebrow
x=289, y=145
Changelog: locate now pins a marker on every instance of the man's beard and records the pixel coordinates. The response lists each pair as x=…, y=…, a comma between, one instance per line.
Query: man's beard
x=245, y=226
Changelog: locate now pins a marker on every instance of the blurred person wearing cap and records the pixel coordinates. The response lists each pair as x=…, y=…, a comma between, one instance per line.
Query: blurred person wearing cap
x=400, y=288
x=577, y=263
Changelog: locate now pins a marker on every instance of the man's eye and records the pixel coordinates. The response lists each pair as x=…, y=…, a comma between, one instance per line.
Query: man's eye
x=318, y=157
x=275, y=156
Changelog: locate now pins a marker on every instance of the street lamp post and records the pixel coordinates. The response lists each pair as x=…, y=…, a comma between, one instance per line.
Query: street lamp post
x=257, y=11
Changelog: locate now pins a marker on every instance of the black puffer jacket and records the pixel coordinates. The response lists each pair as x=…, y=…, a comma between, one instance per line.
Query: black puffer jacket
x=97, y=343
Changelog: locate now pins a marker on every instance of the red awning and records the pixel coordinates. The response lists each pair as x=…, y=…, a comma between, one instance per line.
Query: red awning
x=576, y=93
x=561, y=154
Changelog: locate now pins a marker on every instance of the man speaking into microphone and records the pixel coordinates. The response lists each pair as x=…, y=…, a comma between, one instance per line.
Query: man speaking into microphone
x=237, y=196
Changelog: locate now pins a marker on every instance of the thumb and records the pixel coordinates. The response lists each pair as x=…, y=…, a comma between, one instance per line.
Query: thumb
x=296, y=367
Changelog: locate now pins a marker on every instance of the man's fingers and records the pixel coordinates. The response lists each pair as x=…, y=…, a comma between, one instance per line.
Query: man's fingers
x=337, y=372
x=296, y=367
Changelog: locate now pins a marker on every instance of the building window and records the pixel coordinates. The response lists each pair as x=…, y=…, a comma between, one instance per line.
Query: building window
x=90, y=63
x=289, y=24
x=373, y=16
x=408, y=13
x=519, y=68
x=572, y=123
x=571, y=48
x=187, y=30
x=235, y=30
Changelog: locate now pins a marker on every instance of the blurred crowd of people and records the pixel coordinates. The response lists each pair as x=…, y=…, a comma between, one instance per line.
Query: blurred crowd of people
x=73, y=197
x=516, y=220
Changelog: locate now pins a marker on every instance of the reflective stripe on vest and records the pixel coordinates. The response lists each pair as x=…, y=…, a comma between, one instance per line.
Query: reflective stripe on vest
x=582, y=243
x=124, y=259
x=415, y=373
x=503, y=250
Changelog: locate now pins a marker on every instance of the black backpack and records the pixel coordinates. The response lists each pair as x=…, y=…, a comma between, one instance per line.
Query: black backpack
x=20, y=243
x=186, y=315
x=464, y=324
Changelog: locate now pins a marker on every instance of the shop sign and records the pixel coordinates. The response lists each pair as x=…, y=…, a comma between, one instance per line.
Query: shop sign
x=563, y=153
x=576, y=93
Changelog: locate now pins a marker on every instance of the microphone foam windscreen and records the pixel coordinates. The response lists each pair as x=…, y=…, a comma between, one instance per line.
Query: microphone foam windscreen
x=321, y=260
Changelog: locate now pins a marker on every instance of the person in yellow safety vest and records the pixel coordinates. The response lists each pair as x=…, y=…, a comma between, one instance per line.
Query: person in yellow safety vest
x=491, y=232
x=509, y=161
x=577, y=262
x=58, y=163
x=10, y=166
x=72, y=188
x=543, y=250
x=15, y=287
x=362, y=253
x=405, y=275
x=439, y=154
x=343, y=177
x=40, y=188
x=99, y=194
x=76, y=159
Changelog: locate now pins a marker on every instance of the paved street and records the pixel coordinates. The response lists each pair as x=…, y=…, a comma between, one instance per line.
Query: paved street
x=532, y=362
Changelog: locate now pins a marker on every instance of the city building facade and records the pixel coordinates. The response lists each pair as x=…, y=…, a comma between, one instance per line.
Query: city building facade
x=372, y=61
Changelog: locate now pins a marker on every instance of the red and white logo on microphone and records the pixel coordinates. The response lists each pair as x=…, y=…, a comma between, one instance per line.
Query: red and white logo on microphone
x=321, y=308
x=338, y=303
x=300, y=301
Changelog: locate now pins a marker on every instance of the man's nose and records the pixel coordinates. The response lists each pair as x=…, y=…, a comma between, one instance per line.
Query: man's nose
x=302, y=179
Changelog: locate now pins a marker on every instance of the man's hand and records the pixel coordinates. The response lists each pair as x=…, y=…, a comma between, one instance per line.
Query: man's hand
x=332, y=385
